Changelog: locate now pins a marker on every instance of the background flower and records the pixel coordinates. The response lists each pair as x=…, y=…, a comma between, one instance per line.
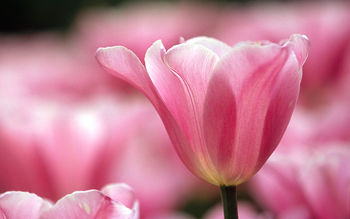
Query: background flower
x=113, y=201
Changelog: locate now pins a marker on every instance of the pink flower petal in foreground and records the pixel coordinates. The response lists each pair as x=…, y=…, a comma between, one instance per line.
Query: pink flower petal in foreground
x=109, y=203
x=22, y=205
x=225, y=109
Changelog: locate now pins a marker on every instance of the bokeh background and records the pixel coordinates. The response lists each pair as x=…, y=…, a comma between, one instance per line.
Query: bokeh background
x=66, y=125
x=38, y=15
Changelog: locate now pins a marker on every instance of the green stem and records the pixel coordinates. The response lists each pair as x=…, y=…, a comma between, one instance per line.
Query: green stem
x=229, y=201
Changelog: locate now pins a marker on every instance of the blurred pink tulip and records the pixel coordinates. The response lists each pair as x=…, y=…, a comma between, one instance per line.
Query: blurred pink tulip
x=62, y=147
x=224, y=108
x=115, y=201
x=62, y=131
x=134, y=26
x=44, y=66
x=306, y=183
x=319, y=126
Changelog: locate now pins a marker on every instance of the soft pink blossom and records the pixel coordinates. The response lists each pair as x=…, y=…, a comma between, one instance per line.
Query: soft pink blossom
x=64, y=146
x=85, y=145
x=49, y=67
x=306, y=183
x=319, y=126
x=224, y=108
x=115, y=201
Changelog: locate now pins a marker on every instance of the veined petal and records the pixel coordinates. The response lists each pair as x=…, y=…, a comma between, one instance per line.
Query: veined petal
x=251, y=72
x=22, y=205
x=244, y=72
x=181, y=123
x=168, y=86
x=284, y=94
x=219, y=124
x=174, y=108
x=283, y=97
x=193, y=65
x=155, y=84
x=218, y=47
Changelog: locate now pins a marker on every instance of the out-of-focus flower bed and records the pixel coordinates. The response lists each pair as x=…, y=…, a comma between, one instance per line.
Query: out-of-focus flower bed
x=66, y=125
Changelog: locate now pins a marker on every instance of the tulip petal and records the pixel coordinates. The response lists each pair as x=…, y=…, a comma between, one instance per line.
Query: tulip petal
x=121, y=193
x=242, y=74
x=156, y=85
x=21, y=205
x=173, y=105
x=264, y=80
x=88, y=205
x=168, y=86
x=124, y=64
x=165, y=91
x=284, y=94
x=193, y=65
x=300, y=45
x=219, y=123
x=283, y=98
x=218, y=47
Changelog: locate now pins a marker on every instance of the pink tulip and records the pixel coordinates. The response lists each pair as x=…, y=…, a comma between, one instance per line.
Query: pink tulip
x=224, y=108
x=115, y=201
x=306, y=183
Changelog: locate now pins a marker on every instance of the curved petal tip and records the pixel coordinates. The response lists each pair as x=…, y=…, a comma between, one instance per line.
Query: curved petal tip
x=300, y=45
x=106, y=55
